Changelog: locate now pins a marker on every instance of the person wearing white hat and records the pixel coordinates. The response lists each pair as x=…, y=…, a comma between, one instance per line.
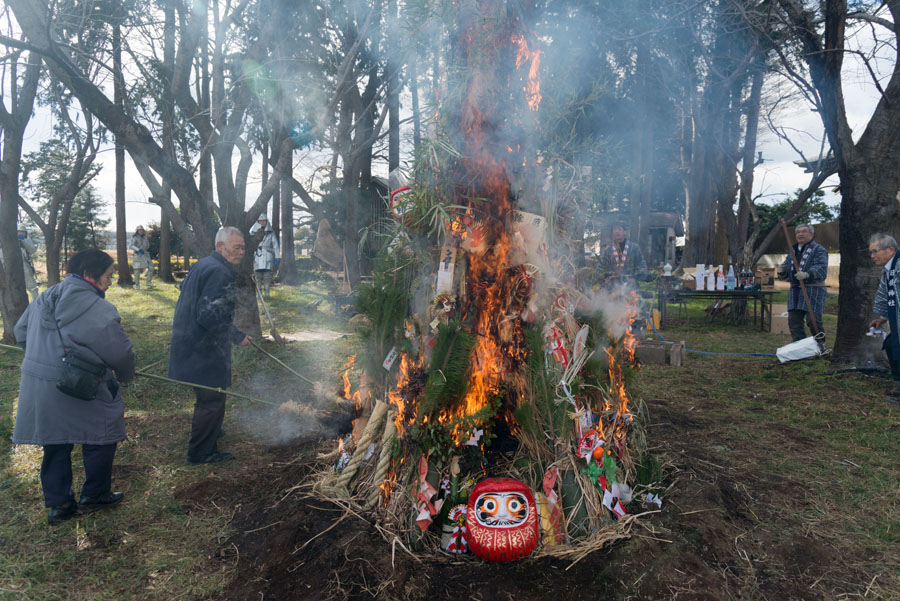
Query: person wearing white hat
x=140, y=258
x=268, y=253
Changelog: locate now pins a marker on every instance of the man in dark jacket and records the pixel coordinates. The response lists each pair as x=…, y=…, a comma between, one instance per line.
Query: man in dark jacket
x=202, y=335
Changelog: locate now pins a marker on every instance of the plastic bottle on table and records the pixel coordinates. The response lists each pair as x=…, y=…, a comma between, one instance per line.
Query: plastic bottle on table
x=729, y=281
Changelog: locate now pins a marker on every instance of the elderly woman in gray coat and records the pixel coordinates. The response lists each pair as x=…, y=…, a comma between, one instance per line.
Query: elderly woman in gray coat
x=73, y=317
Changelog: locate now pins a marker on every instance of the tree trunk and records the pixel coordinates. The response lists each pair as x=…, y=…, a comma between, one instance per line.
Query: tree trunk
x=288, y=268
x=276, y=208
x=414, y=91
x=393, y=98
x=165, y=233
x=13, y=297
x=748, y=164
x=123, y=268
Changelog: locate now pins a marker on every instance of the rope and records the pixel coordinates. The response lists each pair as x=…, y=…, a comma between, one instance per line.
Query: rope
x=384, y=459
x=342, y=483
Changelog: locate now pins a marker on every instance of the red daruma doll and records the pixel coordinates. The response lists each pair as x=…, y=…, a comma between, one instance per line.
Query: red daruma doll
x=501, y=520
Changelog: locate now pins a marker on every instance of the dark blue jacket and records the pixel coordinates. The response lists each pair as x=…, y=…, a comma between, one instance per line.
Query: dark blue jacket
x=202, y=329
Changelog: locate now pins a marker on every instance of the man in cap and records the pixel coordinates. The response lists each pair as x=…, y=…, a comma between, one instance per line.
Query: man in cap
x=268, y=253
x=140, y=258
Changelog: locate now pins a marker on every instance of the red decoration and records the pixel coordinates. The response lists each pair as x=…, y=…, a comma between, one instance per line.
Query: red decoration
x=398, y=205
x=501, y=520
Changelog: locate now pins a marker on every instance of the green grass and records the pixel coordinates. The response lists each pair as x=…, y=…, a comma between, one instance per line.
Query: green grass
x=823, y=447
x=832, y=438
x=152, y=546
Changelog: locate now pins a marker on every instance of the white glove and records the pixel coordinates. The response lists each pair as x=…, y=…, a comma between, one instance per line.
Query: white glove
x=801, y=275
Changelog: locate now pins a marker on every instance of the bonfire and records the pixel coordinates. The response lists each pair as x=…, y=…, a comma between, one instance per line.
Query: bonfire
x=493, y=385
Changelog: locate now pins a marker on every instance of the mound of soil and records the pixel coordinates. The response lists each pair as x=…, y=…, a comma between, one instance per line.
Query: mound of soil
x=715, y=538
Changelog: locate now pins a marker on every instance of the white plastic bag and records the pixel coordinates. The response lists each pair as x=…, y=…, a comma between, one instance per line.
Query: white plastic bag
x=802, y=349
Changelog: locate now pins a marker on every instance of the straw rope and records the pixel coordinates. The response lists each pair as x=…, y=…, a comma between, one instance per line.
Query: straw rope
x=384, y=460
x=341, y=485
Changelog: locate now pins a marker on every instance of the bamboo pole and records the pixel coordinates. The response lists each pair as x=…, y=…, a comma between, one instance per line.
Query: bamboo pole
x=212, y=388
x=281, y=363
x=179, y=382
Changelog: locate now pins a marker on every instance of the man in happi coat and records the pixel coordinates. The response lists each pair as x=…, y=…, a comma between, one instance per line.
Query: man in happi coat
x=622, y=258
x=813, y=269
x=883, y=250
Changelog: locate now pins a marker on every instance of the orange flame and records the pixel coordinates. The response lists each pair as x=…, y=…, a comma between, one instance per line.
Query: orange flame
x=532, y=87
x=348, y=388
x=407, y=366
x=617, y=402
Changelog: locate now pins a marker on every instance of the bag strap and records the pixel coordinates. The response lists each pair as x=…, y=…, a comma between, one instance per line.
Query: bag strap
x=63, y=344
x=58, y=333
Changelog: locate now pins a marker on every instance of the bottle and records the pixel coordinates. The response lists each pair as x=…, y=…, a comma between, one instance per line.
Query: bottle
x=701, y=276
x=720, y=279
x=729, y=282
x=711, y=279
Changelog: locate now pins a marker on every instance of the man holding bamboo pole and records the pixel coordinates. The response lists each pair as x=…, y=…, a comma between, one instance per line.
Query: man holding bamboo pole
x=202, y=334
x=806, y=266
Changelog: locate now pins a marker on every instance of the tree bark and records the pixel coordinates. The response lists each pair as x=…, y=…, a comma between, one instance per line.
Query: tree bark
x=393, y=98
x=122, y=267
x=13, y=296
x=168, y=119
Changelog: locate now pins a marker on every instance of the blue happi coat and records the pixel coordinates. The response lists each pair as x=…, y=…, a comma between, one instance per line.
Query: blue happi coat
x=813, y=259
x=886, y=305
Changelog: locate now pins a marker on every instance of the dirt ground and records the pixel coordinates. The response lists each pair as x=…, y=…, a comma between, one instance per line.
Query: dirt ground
x=728, y=530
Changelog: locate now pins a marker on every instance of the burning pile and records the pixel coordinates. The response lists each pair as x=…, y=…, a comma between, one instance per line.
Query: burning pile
x=493, y=391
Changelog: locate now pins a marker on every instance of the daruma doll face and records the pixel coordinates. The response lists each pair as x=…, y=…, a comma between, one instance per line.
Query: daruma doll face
x=502, y=520
x=501, y=509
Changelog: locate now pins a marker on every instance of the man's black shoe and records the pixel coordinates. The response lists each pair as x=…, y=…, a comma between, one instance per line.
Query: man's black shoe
x=97, y=502
x=62, y=513
x=212, y=458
